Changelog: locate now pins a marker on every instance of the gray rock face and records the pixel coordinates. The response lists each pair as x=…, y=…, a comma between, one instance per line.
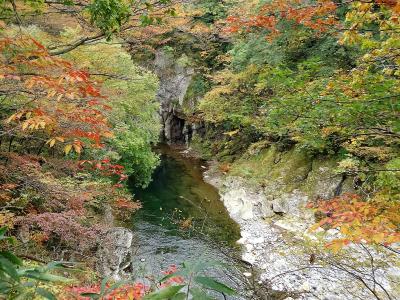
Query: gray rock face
x=115, y=252
x=265, y=210
x=274, y=233
x=280, y=205
x=324, y=183
x=175, y=78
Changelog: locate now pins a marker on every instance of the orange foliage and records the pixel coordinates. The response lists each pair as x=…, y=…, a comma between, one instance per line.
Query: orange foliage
x=360, y=221
x=134, y=291
x=318, y=15
x=126, y=292
x=224, y=168
x=173, y=280
x=106, y=168
x=52, y=97
x=127, y=204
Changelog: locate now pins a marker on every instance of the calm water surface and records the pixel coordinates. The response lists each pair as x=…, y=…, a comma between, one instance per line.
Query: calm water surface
x=183, y=219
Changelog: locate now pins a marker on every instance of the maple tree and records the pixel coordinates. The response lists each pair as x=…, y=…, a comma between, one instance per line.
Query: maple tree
x=359, y=221
x=59, y=103
x=319, y=15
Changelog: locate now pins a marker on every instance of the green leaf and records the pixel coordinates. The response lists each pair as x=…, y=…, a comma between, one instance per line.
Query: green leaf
x=201, y=265
x=214, y=285
x=4, y=287
x=57, y=265
x=11, y=257
x=199, y=294
x=3, y=231
x=25, y=295
x=103, y=285
x=177, y=273
x=46, y=276
x=166, y=293
x=91, y=295
x=45, y=294
x=9, y=268
x=179, y=296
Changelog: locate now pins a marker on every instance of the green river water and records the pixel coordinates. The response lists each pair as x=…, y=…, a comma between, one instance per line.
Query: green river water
x=183, y=219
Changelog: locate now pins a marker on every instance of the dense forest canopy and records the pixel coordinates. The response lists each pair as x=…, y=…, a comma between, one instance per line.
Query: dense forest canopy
x=79, y=113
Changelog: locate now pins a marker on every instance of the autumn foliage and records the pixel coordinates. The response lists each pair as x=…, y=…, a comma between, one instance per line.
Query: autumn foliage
x=131, y=291
x=320, y=15
x=106, y=168
x=359, y=221
x=126, y=292
x=59, y=103
x=316, y=16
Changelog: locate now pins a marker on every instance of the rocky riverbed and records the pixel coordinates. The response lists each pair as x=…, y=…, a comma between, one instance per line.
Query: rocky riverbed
x=292, y=260
x=289, y=262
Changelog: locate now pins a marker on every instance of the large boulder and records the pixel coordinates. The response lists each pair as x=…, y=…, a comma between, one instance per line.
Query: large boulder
x=114, y=255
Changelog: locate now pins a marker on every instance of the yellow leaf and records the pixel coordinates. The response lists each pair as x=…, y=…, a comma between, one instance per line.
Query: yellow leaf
x=335, y=246
x=378, y=238
x=30, y=84
x=108, y=134
x=231, y=133
x=25, y=125
x=67, y=148
x=60, y=139
x=314, y=227
x=344, y=229
x=52, y=142
x=393, y=239
x=11, y=118
x=77, y=148
x=51, y=94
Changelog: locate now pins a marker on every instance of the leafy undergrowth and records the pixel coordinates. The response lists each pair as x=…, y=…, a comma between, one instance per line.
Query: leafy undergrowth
x=55, y=207
x=188, y=282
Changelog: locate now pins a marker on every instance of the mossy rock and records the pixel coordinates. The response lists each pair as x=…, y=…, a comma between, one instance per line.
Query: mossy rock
x=273, y=168
x=323, y=180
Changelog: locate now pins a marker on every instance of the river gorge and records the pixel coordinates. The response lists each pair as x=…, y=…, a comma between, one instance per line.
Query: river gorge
x=193, y=212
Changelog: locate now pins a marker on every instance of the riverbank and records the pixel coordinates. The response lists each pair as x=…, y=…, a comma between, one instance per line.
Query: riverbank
x=292, y=260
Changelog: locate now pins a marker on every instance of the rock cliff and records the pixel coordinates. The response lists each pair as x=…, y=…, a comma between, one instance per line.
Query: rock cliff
x=175, y=76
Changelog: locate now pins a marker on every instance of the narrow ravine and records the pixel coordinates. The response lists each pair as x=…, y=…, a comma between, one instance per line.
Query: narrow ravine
x=183, y=219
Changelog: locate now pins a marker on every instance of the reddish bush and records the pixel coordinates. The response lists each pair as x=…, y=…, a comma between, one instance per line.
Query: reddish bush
x=66, y=227
x=126, y=292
